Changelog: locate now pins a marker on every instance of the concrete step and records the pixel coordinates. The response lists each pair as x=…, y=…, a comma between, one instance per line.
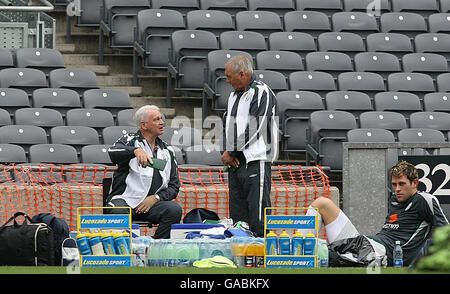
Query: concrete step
x=65, y=48
x=132, y=91
x=100, y=70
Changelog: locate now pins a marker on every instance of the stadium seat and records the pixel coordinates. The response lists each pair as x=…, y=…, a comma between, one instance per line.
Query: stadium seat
x=263, y=21
x=76, y=136
x=280, y=7
x=328, y=7
x=312, y=22
x=444, y=5
x=113, y=100
x=360, y=23
x=327, y=130
x=12, y=99
x=23, y=135
x=6, y=58
x=433, y=43
x=230, y=6
x=436, y=120
x=125, y=117
x=439, y=23
x=90, y=117
x=414, y=135
x=203, y=155
x=394, y=43
x=437, y=101
x=214, y=21
x=443, y=82
x=428, y=63
x=350, y=101
x=96, y=154
x=78, y=79
x=274, y=79
x=11, y=153
x=44, y=59
x=406, y=23
x=90, y=13
x=316, y=81
x=216, y=86
x=5, y=117
x=181, y=137
x=381, y=63
x=154, y=28
x=422, y=7
x=248, y=41
x=295, y=108
x=113, y=133
x=45, y=118
x=281, y=61
x=402, y=102
x=27, y=79
x=298, y=42
x=53, y=153
x=183, y=6
x=382, y=6
x=389, y=120
x=333, y=63
x=56, y=98
x=416, y=83
x=345, y=42
x=179, y=156
x=368, y=82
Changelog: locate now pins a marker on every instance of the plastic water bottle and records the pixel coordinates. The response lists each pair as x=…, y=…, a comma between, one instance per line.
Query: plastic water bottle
x=153, y=253
x=271, y=243
x=398, y=255
x=285, y=244
x=139, y=252
x=322, y=253
x=169, y=254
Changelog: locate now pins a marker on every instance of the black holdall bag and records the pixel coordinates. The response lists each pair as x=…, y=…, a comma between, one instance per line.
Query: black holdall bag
x=27, y=243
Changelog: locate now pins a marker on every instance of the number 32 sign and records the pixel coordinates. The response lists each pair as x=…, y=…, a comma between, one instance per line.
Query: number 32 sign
x=434, y=175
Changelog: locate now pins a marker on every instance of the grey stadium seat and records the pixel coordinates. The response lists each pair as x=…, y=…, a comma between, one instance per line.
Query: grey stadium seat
x=368, y=82
x=281, y=61
x=422, y=7
x=445, y=5
x=11, y=153
x=350, y=101
x=76, y=136
x=214, y=21
x=274, y=79
x=407, y=23
x=89, y=13
x=27, y=79
x=53, y=153
x=438, y=23
x=97, y=154
x=5, y=117
x=316, y=81
x=413, y=135
x=381, y=63
x=394, y=43
x=112, y=133
x=416, y=83
x=208, y=155
x=433, y=43
x=311, y=22
x=402, y=102
x=330, y=62
x=6, y=58
x=428, y=63
x=112, y=100
x=263, y=21
x=90, y=117
x=78, y=79
x=389, y=120
x=12, y=99
x=181, y=137
x=443, y=82
x=248, y=41
x=23, y=135
x=360, y=23
x=280, y=7
x=183, y=6
x=56, y=98
x=346, y=42
x=44, y=59
x=298, y=42
x=431, y=120
x=328, y=7
x=230, y=6
x=437, y=101
x=376, y=8
x=45, y=118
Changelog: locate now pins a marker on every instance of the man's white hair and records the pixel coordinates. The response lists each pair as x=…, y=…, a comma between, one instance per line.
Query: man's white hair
x=239, y=63
x=142, y=113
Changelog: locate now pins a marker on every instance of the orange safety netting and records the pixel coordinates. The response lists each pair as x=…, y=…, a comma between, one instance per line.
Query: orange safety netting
x=61, y=189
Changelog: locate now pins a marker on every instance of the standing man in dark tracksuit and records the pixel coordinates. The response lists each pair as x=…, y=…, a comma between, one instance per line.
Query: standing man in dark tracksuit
x=250, y=143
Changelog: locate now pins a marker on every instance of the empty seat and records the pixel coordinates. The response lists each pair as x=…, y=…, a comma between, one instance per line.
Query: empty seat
x=230, y=6
x=282, y=61
x=402, y=102
x=12, y=99
x=53, y=153
x=112, y=133
x=368, y=82
x=330, y=62
x=154, y=29
x=113, y=100
x=6, y=58
x=56, y=98
x=214, y=21
x=125, y=117
x=422, y=7
x=11, y=153
x=381, y=63
x=208, y=155
x=27, y=79
x=280, y=7
x=370, y=135
x=78, y=79
x=45, y=118
x=182, y=137
x=90, y=13
x=183, y=6
x=274, y=79
x=263, y=22
x=416, y=83
x=44, y=59
x=311, y=22
x=94, y=118
x=439, y=23
x=428, y=63
x=249, y=41
x=436, y=120
x=76, y=136
x=433, y=43
x=389, y=120
x=443, y=82
x=394, y=43
x=374, y=7
x=5, y=117
x=437, y=101
x=327, y=130
x=445, y=5
x=414, y=135
x=298, y=42
x=350, y=101
x=360, y=23
x=316, y=81
x=349, y=43
x=96, y=154
x=407, y=23
x=295, y=108
x=23, y=135
x=328, y=7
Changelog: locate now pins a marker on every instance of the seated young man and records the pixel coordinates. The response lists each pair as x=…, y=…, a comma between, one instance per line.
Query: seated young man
x=411, y=216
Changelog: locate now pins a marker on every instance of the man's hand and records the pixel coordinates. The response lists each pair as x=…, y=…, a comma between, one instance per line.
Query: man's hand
x=146, y=204
x=142, y=157
x=229, y=160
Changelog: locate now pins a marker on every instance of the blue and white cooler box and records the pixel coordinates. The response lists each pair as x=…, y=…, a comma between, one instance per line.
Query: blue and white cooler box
x=180, y=231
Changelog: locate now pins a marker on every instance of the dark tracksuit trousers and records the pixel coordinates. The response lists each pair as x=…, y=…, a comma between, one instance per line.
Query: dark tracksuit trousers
x=249, y=189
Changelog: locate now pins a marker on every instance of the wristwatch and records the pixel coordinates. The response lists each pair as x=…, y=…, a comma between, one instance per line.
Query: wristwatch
x=157, y=197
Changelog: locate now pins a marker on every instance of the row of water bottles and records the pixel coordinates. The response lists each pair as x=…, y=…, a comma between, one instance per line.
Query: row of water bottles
x=177, y=252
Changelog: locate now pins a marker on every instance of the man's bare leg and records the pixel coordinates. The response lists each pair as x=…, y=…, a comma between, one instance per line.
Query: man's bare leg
x=327, y=209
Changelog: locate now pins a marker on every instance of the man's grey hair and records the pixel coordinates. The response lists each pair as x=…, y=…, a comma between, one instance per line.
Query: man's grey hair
x=239, y=63
x=142, y=113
